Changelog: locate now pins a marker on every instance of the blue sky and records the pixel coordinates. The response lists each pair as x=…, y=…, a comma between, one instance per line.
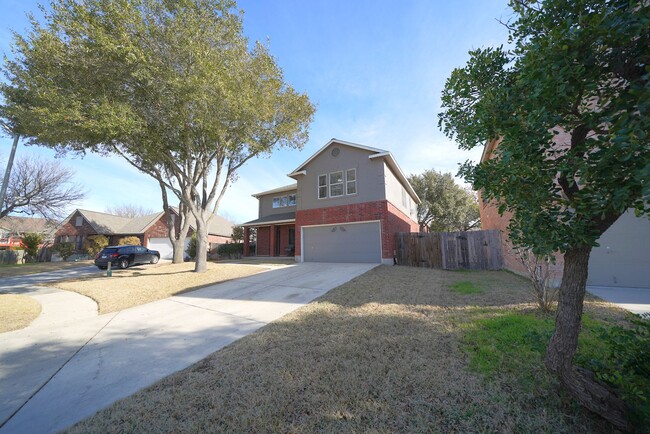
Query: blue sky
x=374, y=68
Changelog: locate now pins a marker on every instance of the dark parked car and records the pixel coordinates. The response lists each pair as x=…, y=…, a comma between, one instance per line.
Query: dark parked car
x=124, y=256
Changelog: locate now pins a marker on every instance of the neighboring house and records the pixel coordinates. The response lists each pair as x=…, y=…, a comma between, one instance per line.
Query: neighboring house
x=13, y=228
x=347, y=204
x=621, y=260
x=151, y=229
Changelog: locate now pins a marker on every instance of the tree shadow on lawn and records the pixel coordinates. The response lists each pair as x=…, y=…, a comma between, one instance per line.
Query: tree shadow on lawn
x=380, y=353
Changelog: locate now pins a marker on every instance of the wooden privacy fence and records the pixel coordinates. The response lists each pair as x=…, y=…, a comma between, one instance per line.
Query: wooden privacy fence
x=474, y=250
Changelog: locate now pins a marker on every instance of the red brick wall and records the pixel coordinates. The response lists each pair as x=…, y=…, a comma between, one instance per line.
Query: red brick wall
x=69, y=229
x=263, y=241
x=490, y=219
x=392, y=220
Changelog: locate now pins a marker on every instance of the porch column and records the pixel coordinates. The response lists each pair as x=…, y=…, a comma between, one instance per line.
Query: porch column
x=247, y=237
x=272, y=241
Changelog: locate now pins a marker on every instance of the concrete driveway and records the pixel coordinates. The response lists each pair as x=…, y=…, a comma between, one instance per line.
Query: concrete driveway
x=54, y=375
x=636, y=300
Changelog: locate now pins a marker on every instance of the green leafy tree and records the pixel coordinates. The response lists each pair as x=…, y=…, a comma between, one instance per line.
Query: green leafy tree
x=129, y=241
x=237, y=234
x=31, y=242
x=93, y=244
x=445, y=206
x=173, y=87
x=65, y=250
x=569, y=106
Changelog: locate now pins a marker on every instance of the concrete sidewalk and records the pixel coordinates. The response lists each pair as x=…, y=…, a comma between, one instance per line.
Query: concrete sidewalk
x=105, y=358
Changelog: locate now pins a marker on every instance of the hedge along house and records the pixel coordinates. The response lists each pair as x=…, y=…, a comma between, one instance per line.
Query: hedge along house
x=150, y=229
x=348, y=202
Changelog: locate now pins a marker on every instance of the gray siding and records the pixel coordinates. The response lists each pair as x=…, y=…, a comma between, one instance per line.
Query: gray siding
x=266, y=204
x=623, y=258
x=396, y=193
x=370, y=177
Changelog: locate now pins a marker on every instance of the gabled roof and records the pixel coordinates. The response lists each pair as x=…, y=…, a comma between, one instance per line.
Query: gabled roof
x=109, y=224
x=21, y=225
x=341, y=142
x=289, y=187
x=374, y=153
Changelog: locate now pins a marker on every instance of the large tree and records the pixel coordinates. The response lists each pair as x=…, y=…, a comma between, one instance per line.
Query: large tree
x=41, y=188
x=445, y=205
x=173, y=87
x=570, y=105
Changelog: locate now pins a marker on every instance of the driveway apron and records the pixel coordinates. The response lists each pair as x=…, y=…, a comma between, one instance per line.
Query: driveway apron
x=112, y=356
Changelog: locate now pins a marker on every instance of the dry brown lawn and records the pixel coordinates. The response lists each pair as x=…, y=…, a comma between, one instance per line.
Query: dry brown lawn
x=38, y=267
x=17, y=311
x=143, y=284
x=379, y=354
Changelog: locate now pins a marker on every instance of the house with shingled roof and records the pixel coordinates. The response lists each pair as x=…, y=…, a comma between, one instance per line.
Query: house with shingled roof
x=150, y=229
x=346, y=205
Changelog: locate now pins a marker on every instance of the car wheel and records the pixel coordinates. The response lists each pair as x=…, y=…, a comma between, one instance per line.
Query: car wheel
x=154, y=259
x=124, y=263
x=101, y=268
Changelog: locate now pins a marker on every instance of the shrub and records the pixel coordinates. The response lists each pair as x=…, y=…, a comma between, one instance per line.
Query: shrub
x=191, y=246
x=30, y=242
x=231, y=250
x=65, y=250
x=93, y=244
x=126, y=241
x=625, y=365
x=541, y=275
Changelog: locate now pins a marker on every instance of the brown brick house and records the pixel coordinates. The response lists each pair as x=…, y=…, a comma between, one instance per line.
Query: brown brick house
x=151, y=229
x=346, y=205
x=621, y=260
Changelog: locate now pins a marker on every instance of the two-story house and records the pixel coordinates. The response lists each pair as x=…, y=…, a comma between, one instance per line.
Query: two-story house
x=346, y=205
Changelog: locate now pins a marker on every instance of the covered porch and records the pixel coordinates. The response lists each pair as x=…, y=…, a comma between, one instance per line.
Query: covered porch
x=275, y=235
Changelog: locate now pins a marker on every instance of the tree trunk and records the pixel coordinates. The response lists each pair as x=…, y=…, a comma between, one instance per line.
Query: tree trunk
x=201, y=264
x=580, y=383
x=7, y=177
x=179, y=249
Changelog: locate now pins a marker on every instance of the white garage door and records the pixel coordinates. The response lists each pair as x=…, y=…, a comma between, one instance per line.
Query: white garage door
x=344, y=242
x=164, y=246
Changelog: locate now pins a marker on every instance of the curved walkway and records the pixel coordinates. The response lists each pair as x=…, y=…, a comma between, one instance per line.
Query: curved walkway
x=53, y=376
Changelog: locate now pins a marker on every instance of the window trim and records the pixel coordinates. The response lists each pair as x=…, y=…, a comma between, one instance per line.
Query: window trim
x=348, y=182
x=341, y=183
x=319, y=186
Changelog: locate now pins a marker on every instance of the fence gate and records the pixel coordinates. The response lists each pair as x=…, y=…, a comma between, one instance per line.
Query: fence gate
x=474, y=250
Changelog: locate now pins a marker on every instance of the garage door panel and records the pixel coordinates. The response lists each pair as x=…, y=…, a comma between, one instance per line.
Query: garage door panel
x=359, y=242
x=164, y=246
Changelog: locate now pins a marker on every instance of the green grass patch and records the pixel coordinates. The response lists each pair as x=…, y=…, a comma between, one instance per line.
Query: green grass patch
x=466, y=287
x=515, y=344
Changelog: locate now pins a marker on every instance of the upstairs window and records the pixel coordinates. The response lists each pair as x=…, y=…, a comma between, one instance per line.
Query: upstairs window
x=283, y=201
x=78, y=221
x=336, y=184
x=322, y=186
x=351, y=181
